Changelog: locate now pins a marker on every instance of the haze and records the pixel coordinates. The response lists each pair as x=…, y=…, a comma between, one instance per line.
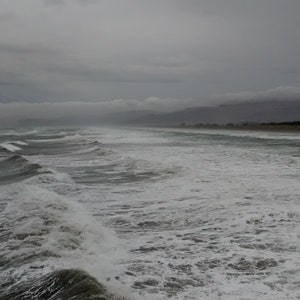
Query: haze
x=88, y=57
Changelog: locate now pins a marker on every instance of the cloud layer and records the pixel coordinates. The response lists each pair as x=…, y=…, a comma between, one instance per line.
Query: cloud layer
x=54, y=51
x=12, y=112
x=281, y=93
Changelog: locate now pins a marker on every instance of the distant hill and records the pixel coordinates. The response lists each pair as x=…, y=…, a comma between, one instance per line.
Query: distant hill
x=250, y=112
x=237, y=113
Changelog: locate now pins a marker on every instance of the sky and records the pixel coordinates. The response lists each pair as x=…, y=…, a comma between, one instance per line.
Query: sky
x=61, y=57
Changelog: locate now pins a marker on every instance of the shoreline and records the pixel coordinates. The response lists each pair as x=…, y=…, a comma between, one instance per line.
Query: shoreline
x=250, y=127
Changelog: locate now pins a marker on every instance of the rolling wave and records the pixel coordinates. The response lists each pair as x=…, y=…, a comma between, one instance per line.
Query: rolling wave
x=17, y=168
x=50, y=248
x=46, y=240
x=63, y=284
x=10, y=147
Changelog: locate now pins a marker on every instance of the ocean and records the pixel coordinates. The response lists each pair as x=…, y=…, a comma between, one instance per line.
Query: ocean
x=149, y=213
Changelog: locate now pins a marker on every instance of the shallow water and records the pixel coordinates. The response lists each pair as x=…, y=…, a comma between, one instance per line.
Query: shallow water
x=149, y=213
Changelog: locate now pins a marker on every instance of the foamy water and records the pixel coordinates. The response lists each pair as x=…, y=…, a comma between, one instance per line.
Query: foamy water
x=154, y=213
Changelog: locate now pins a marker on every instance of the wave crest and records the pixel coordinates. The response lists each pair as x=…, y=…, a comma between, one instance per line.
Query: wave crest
x=63, y=284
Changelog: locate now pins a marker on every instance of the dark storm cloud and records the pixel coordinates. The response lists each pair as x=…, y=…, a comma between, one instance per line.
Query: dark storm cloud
x=89, y=50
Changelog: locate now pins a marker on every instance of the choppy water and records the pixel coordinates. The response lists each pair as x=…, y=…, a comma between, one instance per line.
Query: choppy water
x=101, y=213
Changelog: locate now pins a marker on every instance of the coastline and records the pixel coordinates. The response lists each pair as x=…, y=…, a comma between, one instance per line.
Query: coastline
x=280, y=127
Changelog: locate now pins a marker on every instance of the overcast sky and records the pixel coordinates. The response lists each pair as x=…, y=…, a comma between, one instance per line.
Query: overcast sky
x=142, y=54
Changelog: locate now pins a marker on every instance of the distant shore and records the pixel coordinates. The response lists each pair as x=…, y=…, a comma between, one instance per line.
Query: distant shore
x=282, y=126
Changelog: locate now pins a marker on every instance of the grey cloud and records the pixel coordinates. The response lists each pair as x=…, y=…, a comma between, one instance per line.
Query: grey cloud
x=12, y=111
x=84, y=73
x=238, y=9
x=281, y=93
x=63, y=2
x=289, y=70
x=54, y=2
x=87, y=2
x=10, y=78
x=28, y=92
x=6, y=16
x=21, y=49
x=135, y=49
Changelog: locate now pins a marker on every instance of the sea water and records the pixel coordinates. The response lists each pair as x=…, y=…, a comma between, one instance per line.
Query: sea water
x=149, y=213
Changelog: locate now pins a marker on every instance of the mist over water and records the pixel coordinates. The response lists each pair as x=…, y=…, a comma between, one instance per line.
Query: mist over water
x=107, y=213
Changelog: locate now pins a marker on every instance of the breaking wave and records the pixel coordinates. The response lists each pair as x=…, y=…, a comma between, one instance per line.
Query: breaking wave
x=62, y=284
x=17, y=168
x=50, y=247
x=46, y=240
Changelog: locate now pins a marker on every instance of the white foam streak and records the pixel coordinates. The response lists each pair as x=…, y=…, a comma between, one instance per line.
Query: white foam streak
x=8, y=146
x=19, y=143
x=61, y=227
x=60, y=139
